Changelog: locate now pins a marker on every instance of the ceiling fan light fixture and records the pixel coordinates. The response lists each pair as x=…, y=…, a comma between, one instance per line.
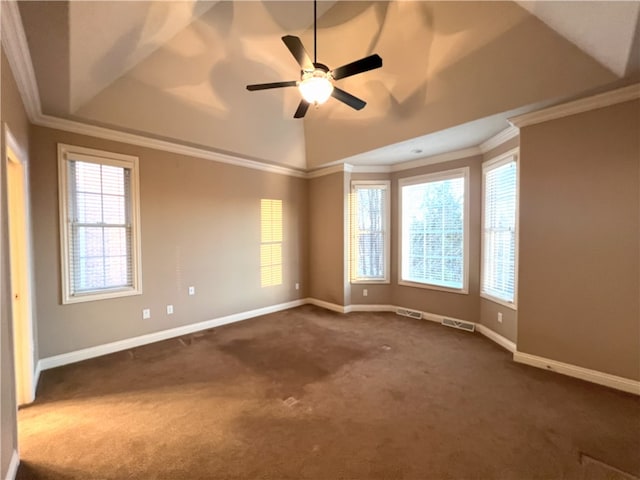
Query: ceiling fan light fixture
x=315, y=87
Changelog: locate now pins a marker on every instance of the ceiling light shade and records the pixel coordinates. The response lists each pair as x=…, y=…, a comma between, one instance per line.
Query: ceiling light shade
x=316, y=87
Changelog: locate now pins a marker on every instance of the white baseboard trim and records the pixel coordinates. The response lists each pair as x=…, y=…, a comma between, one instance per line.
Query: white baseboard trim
x=363, y=307
x=12, y=471
x=36, y=377
x=613, y=381
x=99, y=350
x=496, y=337
x=594, y=376
x=328, y=305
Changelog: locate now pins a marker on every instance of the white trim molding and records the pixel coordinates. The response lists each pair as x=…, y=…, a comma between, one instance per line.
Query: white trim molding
x=162, y=145
x=12, y=470
x=321, y=172
x=594, y=376
x=36, y=377
x=16, y=47
x=625, y=94
x=499, y=138
x=363, y=307
x=105, y=349
x=328, y=305
x=496, y=337
x=440, y=158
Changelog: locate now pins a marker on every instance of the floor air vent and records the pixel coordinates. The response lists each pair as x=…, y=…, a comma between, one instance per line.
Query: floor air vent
x=468, y=326
x=405, y=312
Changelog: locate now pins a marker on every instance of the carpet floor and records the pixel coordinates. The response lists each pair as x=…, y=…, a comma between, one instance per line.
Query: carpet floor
x=311, y=394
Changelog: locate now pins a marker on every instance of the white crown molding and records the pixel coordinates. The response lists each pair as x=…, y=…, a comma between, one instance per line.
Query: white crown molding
x=147, y=142
x=371, y=169
x=601, y=100
x=499, y=138
x=16, y=48
x=440, y=158
x=594, y=376
x=321, y=172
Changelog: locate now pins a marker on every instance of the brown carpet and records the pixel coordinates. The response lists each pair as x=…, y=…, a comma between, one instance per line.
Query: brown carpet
x=308, y=393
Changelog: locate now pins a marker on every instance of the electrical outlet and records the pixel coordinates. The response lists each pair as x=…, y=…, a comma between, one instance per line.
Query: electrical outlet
x=146, y=313
x=365, y=292
x=192, y=290
x=169, y=309
x=297, y=286
x=499, y=317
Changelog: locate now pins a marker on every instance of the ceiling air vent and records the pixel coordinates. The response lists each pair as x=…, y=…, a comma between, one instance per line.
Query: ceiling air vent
x=405, y=312
x=468, y=326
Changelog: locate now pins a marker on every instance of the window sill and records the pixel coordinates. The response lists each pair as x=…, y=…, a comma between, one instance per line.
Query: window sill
x=427, y=286
x=370, y=282
x=101, y=295
x=499, y=301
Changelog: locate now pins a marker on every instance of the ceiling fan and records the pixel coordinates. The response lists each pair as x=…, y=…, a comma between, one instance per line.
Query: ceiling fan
x=316, y=80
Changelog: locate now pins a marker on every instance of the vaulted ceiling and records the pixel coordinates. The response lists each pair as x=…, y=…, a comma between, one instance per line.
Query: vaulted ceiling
x=453, y=71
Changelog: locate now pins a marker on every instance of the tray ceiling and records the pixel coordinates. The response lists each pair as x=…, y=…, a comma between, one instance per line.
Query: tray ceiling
x=452, y=73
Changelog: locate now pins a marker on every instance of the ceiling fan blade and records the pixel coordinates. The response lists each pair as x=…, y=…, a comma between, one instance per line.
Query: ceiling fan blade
x=294, y=44
x=265, y=86
x=363, y=65
x=302, y=109
x=344, y=97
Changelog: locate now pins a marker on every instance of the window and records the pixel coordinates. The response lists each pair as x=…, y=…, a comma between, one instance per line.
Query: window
x=369, y=232
x=270, y=242
x=434, y=226
x=99, y=224
x=499, y=224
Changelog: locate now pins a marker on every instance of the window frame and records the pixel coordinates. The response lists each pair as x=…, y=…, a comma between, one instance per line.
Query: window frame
x=491, y=164
x=67, y=153
x=386, y=185
x=271, y=243
x=463, y=172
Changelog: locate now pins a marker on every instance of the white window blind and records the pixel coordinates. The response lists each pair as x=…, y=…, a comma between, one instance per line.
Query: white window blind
x=499, y=230
x=369, y=231
x=270, y=242
x=99, y=226
x=433, y=230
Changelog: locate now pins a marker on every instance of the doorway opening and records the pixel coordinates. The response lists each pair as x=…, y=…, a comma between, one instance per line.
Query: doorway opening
x=20, y=269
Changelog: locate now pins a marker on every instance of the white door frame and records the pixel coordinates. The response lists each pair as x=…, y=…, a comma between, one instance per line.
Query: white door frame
x=22, y=320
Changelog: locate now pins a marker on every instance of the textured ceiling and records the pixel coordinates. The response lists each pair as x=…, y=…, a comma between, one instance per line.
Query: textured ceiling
x=452, y=73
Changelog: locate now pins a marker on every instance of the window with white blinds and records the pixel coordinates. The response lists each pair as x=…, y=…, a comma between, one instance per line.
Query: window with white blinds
x=369, y=243
x=434, y=230
x=499, y=235
x=99, y=224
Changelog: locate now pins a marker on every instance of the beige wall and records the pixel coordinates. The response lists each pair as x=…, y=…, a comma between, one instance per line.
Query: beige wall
x=14, y=116
x=200, y=226
x=326, y=238
x=489, y=310
x=579, y=240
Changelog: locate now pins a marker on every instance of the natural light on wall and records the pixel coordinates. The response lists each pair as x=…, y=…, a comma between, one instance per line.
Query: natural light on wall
x=270, y=242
